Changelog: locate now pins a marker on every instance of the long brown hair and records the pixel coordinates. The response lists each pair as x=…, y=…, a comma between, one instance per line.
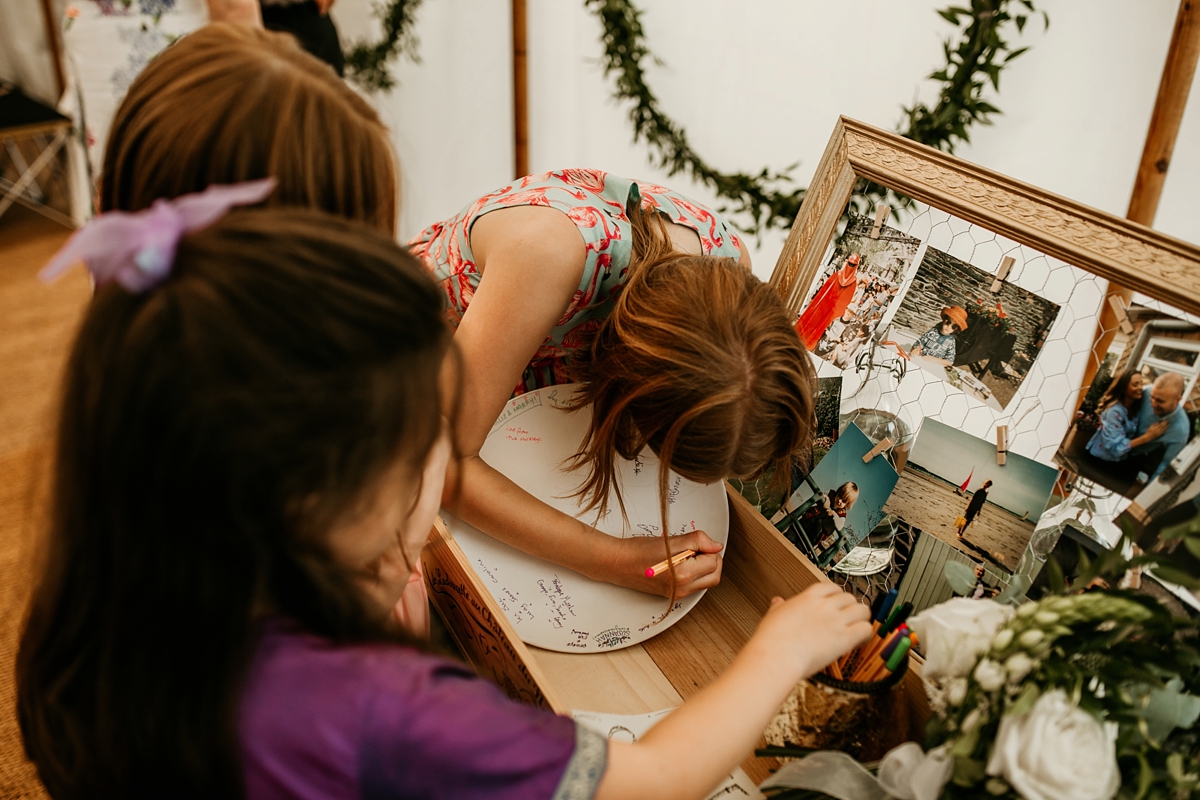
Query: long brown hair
x=698, y=361
x=228, y=104
x=211, y=432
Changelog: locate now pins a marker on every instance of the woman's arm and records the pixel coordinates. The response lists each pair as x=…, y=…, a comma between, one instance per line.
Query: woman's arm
x=692, y=749
x=532, y=259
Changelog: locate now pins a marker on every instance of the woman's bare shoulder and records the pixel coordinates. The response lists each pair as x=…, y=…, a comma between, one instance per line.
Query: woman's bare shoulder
x=537, y=232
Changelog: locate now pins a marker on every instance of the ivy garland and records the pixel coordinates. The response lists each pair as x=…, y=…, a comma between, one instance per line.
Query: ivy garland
x=367, y=64
x=975, y=56
x=972, y=62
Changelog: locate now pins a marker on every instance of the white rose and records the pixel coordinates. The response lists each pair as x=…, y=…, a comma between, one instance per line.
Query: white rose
x=1057, y=751
x=990, y=675
x=954, y=633
x=956, y=692
x=1018, y=665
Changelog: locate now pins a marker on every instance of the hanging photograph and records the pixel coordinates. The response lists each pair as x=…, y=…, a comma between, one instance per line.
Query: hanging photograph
x=1142, y=407
x=839, y=502
x=955, y=327
x=1168, y=505
x=829, y=405
x=855, y=290
x=953, y=488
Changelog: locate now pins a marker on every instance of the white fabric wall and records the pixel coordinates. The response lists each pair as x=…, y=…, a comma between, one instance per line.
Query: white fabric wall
x=760, y=83
x=25, y=57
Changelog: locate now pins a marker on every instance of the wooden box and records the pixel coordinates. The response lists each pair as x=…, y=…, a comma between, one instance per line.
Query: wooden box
x=661, y=672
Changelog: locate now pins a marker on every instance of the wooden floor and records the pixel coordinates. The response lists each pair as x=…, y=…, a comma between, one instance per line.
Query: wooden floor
x=36, y=325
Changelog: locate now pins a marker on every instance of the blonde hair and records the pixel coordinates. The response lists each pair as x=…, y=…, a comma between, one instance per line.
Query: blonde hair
x=847, y=492
x=698, y=360
x=228, y=104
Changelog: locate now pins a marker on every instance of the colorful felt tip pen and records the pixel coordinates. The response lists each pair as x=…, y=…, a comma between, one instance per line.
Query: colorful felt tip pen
x=885, y=607
x=901, y=651
x=674, y=561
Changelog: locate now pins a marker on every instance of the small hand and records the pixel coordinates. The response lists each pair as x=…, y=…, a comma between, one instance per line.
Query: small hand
x=811, y=629
x=637, y=553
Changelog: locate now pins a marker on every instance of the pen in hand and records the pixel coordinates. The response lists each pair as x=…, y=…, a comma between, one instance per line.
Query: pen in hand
x=673, y=561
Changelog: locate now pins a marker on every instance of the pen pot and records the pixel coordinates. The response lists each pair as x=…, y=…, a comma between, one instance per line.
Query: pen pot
x=862, y=719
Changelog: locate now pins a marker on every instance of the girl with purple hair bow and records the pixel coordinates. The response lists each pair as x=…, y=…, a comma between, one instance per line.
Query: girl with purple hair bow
x=251, y=452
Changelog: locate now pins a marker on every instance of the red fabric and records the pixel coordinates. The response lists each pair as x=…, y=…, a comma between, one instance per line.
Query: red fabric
x=829, y=304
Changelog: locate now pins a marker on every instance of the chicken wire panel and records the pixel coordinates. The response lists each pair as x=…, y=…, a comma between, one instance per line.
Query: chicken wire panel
x=1037, y=411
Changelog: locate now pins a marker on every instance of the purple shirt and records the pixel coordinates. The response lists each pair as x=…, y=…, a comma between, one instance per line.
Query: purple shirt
x=320, y=721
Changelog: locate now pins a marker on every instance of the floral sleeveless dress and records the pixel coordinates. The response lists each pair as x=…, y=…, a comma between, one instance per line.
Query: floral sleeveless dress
x=596, y=202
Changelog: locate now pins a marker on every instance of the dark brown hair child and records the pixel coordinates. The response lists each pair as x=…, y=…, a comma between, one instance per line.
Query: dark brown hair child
x=251, y=449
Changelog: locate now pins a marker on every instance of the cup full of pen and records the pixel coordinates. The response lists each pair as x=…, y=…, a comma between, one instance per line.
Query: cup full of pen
x=850, y=705
x=883, y=658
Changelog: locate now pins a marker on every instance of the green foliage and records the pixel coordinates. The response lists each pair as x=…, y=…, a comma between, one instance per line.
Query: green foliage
x=765, y=196
x=972, y=63
x=367, y=64
x=975, y=57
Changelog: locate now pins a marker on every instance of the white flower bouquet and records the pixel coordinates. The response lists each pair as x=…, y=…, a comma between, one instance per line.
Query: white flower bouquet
x=1081, y=696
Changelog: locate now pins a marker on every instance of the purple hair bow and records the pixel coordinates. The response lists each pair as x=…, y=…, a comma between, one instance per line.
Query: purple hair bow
x=137, y=249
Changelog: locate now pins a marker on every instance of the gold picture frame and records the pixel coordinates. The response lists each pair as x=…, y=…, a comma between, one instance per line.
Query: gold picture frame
x=1124, y=252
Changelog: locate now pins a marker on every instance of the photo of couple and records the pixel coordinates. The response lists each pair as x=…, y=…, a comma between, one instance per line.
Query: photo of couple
x=856, y=289
x=1139, y=425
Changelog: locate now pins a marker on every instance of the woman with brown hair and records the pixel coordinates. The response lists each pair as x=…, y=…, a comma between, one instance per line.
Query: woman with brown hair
x=647, y=299
x=233, y=103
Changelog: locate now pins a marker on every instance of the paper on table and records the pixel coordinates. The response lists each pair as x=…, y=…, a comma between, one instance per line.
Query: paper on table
x=631, y=727
x=553, y=607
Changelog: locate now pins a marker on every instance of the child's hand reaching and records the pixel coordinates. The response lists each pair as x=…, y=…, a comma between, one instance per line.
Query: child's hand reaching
x=812, y=629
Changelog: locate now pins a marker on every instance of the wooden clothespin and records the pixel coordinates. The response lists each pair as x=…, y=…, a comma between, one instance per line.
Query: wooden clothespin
x=877, y=449
x=1137, y=512
x=880, y=215
x=1118, y=308
x=1005, y=266
x=1001, y=444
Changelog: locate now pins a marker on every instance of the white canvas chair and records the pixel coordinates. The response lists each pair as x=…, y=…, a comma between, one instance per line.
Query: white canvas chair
x=24, y=121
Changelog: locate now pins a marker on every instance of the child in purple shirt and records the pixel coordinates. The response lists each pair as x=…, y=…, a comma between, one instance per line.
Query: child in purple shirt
x=252, y=450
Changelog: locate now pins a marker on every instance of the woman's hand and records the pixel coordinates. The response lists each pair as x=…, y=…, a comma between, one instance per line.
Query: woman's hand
x=1153, y=432
x=635, y=554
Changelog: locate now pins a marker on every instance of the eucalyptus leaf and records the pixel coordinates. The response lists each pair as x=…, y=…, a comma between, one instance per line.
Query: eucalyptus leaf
x=1170, y=708
x=960, y=577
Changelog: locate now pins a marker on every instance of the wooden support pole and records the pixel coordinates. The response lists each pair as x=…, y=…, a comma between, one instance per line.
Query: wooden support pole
x=520, y=91
x=55, y=48
x=1173, y=90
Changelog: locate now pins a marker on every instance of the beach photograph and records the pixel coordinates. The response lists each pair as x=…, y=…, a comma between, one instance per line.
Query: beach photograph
x=952, y=485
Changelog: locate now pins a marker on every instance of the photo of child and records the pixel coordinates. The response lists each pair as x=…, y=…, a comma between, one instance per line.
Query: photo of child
x=839, y=502
x=855, y=290
x=953, y=326
x=824, y=522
